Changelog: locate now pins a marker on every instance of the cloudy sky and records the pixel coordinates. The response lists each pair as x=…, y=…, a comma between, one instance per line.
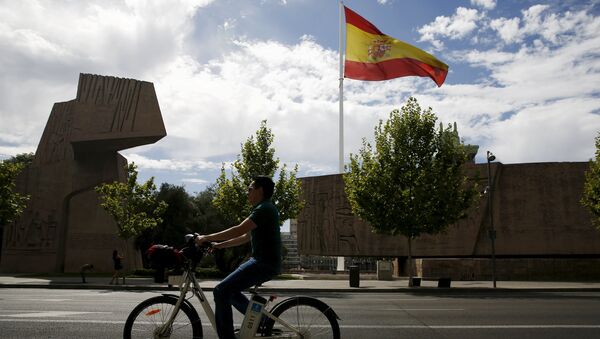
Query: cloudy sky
x=524, y=77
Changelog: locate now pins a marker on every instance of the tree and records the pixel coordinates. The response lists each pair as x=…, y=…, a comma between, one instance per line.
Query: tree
x=591, y=187
x=257, y=158
x=175, y=221
x=206, y=218
x=12, y=203
x=23, y=158
x=412, y=182
x=134, y=207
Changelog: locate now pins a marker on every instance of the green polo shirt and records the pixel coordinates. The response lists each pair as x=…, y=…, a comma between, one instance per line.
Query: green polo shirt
x=266, y=237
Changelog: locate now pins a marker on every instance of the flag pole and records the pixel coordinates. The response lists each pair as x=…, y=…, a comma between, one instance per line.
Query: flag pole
x=340, y=260
x=341, y=95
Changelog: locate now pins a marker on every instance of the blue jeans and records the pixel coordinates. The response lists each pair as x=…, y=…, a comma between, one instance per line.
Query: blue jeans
x=229, y=293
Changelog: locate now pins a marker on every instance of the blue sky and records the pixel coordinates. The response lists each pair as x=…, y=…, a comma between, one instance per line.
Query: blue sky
x=523, y=81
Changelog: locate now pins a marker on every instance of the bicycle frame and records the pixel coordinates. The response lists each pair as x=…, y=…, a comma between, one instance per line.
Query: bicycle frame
x=189, y=280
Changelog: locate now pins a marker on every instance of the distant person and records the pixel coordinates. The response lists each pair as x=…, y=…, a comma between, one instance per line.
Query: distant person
x=261, y=229
x=118, y=266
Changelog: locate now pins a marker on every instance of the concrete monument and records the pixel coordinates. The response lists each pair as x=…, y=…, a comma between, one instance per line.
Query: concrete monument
x=63, y=227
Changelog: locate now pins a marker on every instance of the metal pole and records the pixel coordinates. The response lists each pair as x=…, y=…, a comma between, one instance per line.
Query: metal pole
x=341, y=95
x=492, y=231
x=340, y=260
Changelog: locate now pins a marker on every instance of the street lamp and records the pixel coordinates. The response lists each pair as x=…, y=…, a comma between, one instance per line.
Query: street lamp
x=492, y=232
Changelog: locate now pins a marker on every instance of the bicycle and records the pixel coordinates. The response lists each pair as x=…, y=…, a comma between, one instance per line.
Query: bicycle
x=174, y=316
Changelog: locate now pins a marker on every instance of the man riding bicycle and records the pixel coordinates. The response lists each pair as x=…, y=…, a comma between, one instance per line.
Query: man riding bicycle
x=261, y=228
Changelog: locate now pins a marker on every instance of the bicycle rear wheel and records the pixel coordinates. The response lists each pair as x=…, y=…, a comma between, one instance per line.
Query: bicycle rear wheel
x=311, y=317
x=148, y=317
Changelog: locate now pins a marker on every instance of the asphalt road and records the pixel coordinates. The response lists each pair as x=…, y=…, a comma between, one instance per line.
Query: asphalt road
x=46, y=313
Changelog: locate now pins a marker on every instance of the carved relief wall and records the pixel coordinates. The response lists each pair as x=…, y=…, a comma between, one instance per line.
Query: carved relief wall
x=536, y=214
x=63, y=226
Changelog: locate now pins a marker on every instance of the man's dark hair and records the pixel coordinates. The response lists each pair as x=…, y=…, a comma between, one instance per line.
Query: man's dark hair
x=266, y=183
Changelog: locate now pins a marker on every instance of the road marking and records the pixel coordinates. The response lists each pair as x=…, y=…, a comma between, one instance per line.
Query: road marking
x=32, y=299
x=448, y=327
x=66, y=321
x=48, y=314
x=473, y=327
x=420, y=309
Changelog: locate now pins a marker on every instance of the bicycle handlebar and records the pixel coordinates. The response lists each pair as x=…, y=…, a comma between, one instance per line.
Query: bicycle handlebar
x=193, y=251
x=190, y=239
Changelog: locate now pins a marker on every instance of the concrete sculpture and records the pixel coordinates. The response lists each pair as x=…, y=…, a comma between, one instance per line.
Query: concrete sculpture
x=63, y=227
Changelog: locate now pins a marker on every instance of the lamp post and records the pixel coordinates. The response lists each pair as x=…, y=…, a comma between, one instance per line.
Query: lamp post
x=492, y=231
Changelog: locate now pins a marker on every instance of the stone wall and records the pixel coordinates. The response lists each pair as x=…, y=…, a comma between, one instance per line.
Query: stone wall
x=558, y=269
x=536, y=213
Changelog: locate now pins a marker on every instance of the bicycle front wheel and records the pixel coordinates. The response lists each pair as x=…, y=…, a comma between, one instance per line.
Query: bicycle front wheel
x=311, y=317
x=148, y=318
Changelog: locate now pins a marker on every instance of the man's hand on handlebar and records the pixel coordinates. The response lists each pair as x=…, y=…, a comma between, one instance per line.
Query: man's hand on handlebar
x=203, y=242
x=200, y=240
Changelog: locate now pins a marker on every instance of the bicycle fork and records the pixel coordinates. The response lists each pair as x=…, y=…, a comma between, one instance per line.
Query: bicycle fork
x=164, y=331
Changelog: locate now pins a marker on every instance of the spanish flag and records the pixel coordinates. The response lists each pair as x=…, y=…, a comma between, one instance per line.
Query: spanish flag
x=372, y=55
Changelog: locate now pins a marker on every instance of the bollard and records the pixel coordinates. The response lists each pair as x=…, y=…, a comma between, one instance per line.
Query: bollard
x=414, y=282
x=444, y=282
x=354, y=276
x=85, y=268
x=159, y=275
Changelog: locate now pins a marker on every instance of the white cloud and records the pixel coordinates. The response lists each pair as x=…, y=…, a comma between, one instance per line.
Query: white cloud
x=560, y=130
x=508, y=29
x=99, y=33
x=45, y=45
x=171, y=164
x=216, y=106
x=538, y=102
x=485, y=4
x=229, y=24
x=534, y=104
x=552, y=28
x=539, y=107
x=458, y=26
x=195, y=181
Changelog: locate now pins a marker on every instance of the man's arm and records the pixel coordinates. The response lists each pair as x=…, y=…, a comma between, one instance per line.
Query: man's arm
x=233, y=242
x=230, y=234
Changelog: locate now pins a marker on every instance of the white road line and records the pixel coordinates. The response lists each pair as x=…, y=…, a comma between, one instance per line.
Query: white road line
x=33, y=299
x=66, y=321
x=48, y=314
x=473, y=327
x=420, y=309
x=449, y=327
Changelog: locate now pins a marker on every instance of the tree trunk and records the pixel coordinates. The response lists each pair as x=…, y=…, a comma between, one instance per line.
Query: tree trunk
x=412, y=280
x=411, y=270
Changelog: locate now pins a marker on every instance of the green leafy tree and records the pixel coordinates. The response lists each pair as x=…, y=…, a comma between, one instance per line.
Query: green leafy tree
x=134, y=206
x=206, y=218
x=412, y=181
x=12, y=203
x=591, y=188
x=175, y=221
x=24, y=159
x=257, y=158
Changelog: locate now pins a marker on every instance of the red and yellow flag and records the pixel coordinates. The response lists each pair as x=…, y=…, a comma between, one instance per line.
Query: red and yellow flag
x=372, y=55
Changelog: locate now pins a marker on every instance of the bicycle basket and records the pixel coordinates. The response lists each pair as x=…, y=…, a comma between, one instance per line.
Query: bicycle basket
x=163, y=256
